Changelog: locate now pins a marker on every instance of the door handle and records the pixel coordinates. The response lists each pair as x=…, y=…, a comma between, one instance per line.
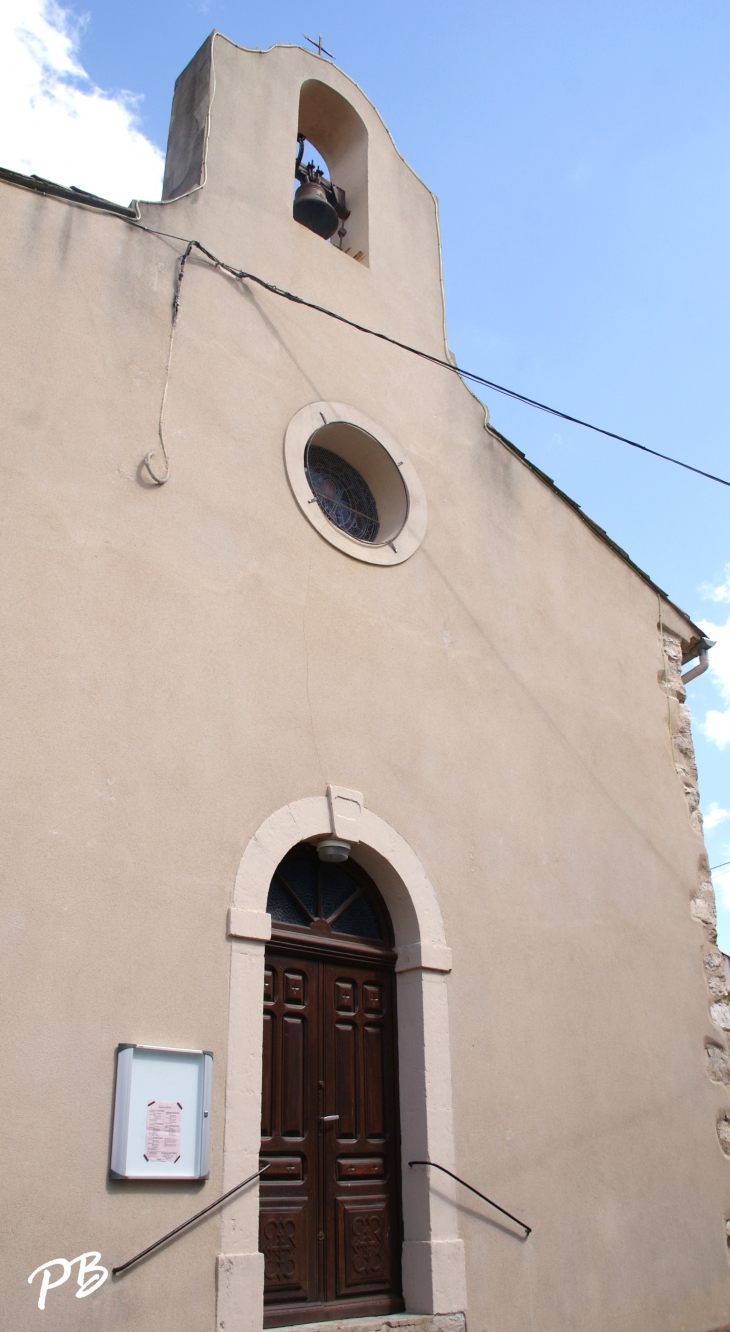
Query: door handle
x=328, y=1119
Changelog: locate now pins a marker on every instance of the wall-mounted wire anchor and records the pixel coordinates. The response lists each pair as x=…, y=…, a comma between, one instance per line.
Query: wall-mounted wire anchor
x=158, y=480
x=146, y=461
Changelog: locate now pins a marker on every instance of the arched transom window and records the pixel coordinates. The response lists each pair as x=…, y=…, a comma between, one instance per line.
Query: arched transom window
x=327, y=899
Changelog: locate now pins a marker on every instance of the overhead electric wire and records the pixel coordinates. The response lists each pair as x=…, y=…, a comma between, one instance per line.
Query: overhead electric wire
x=244, y=276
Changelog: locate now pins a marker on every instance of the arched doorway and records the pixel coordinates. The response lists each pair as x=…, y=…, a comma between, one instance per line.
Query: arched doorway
x=434, y=1278
x=330, y=1216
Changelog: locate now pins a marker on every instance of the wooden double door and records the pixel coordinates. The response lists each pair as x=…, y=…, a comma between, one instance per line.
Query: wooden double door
x=330, y=1226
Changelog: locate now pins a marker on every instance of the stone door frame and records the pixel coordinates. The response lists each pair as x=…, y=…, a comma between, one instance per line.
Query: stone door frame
x=433, y=1253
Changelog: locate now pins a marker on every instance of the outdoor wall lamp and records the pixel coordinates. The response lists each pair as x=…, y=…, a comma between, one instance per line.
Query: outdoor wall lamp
x=333, y=850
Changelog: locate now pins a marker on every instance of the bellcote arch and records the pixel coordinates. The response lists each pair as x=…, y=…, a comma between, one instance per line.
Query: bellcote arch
x=332, y=125
x=433, y=1255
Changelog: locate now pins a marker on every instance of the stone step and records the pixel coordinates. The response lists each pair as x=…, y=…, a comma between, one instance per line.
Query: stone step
x=403, y=1322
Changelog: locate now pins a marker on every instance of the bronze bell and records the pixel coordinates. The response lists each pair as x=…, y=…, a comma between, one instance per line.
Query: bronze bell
x=313, y=209
x=318, y=204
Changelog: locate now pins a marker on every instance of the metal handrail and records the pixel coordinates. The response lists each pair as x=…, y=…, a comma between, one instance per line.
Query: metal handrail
x=123, y=1266
x=436, y=1166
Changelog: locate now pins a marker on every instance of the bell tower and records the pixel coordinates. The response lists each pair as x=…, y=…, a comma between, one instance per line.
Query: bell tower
x=361, y=236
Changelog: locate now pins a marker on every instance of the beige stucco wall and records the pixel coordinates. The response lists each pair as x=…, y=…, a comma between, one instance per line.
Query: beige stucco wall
x=180, y=662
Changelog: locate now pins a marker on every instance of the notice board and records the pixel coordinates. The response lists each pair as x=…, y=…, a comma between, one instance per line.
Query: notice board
x=161, y=1113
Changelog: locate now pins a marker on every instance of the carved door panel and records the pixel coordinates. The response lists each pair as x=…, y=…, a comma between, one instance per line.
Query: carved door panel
x=289, y=1128
x=329, y=1211
x=360, y=1146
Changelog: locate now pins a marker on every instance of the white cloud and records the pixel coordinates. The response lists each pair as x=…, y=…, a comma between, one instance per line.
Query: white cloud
x=55, y=122
x=721, y=881
x=716, y=725
x=715, y=816
x=721, y=593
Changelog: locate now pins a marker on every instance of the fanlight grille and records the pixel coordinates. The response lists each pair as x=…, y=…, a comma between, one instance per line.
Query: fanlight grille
x=342, y=494
x=306, y=891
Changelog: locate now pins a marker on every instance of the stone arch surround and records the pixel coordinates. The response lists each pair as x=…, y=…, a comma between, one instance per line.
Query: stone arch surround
x=433, y=1254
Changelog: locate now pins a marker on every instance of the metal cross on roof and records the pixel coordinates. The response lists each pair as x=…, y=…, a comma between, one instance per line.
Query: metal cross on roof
x=320, y=49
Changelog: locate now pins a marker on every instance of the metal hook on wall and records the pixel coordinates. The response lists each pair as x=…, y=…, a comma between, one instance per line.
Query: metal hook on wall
x=146, y=461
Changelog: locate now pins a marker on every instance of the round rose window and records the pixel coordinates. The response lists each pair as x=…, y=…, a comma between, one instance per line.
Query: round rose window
x=342, y=493
x=354, y=483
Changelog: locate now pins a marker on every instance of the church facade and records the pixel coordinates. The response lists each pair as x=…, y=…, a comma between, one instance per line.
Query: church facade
x=352, y=842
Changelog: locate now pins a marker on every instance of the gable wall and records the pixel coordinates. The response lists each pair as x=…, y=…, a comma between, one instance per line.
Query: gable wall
x=184, y=660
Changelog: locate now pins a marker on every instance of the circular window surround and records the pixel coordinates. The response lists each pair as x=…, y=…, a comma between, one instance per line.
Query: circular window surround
x=381, y=462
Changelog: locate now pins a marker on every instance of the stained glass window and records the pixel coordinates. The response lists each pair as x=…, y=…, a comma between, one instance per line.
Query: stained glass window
x=306, y=890
x=342, y=493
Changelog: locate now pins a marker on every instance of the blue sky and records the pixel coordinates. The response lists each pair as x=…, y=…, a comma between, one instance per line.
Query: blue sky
x=580, y=155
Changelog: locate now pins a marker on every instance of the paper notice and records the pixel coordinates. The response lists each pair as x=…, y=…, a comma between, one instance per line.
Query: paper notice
x=164, y=1131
